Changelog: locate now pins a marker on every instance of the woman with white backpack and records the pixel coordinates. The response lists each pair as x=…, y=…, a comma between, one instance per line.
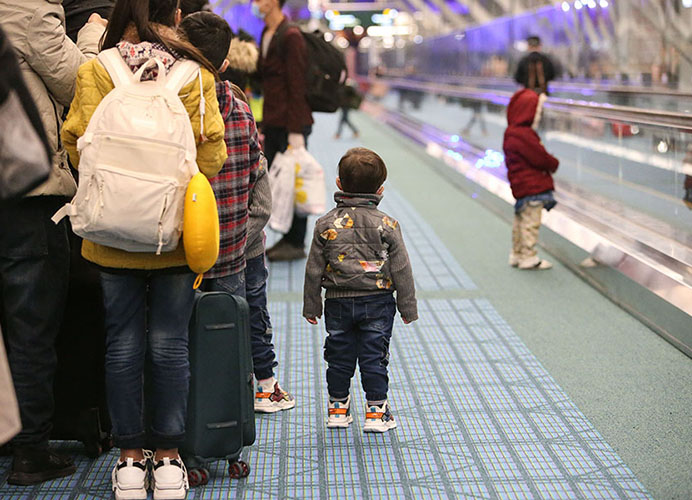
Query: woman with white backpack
x=134, y=151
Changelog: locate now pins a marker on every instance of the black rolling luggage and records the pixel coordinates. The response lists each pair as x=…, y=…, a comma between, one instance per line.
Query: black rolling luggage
x=220, y=413
x=80, y=396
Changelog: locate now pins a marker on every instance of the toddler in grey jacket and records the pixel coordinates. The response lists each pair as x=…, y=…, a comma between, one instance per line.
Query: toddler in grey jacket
x=358, y=255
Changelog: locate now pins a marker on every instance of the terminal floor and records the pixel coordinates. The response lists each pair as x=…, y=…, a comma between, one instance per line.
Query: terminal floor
x=512, y=384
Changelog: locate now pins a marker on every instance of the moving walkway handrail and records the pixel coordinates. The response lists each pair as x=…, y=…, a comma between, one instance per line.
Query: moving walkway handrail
x=671, y=119
x=555, y=85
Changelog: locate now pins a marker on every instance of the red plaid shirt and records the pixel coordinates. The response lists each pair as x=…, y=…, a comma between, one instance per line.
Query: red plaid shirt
x=233, y=184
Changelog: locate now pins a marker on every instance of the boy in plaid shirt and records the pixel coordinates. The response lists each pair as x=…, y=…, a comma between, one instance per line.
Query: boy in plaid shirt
x=243, y=198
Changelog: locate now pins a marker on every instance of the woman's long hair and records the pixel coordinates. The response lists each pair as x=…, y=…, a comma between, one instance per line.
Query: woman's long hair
x=143, y=14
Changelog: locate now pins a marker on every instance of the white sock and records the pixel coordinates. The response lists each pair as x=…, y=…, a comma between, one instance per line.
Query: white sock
x=267, y=385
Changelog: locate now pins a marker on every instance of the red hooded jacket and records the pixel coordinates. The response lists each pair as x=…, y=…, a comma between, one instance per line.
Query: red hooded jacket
x=529, y=165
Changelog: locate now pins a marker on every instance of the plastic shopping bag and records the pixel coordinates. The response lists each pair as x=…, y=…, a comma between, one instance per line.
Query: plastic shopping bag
x=310, y=190
x=282, y=174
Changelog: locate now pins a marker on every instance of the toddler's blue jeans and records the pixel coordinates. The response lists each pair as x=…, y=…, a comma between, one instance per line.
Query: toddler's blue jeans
x=359, y=330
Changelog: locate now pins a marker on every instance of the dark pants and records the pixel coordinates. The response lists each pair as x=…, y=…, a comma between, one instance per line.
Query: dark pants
x=147, y=312
x=345, y=121
x=359, y=330
x=34, y=273
x=276, y=141
x=263, y=357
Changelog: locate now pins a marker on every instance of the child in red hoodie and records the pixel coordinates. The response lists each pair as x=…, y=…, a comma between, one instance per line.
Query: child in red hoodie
x=529, y=167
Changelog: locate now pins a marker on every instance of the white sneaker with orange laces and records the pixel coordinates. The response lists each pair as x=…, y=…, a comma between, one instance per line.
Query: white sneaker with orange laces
x=339, y=414
x=378, y=418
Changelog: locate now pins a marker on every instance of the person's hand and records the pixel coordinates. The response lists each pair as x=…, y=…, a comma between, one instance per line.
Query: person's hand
x=406, y=322
x=312, y=321
x=296, y=141
x=96, y=18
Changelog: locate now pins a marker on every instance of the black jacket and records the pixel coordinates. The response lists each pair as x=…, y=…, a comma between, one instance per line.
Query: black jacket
x=77, y=13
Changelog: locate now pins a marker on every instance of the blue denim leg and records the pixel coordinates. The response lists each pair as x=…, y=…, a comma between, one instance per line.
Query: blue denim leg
x=263, y=357
x=374, y=325
x=340, y=346
x=34, y=272
x=171, y=298
x=160, y=304
x=233, y=284
x=124, y=298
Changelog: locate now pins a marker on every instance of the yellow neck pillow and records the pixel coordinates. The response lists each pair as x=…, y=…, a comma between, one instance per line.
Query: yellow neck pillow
x=200, y=227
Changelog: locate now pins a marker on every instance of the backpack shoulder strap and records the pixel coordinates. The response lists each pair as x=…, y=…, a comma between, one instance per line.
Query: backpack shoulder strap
x=119, y=72
x=181, y=74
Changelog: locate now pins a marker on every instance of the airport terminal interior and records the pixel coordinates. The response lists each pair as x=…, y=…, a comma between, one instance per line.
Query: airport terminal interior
x=568, y=383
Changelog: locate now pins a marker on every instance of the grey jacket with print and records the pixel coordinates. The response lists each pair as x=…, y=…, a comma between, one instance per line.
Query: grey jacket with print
x=358, y=250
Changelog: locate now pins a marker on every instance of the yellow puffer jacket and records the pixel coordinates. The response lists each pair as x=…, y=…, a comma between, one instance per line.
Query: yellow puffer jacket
x=93, y=83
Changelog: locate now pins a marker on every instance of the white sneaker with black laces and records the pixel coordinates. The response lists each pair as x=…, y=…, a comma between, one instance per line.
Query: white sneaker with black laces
x=339, y=414
x=378, y=418
x=169, y=479
x=131, y=478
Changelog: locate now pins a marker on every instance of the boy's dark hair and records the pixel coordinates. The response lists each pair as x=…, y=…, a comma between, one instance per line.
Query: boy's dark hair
x=191, y=6
x=533, y=41
x=282, y=3
x=361, y=171
x=210, y=33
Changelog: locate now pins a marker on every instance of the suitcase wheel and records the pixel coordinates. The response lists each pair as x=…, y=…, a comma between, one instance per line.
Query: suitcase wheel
x=198, y=477
x=238, y=470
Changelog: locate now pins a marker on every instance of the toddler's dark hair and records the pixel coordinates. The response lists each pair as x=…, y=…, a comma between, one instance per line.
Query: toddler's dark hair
x=361, y=171
x=210, y=33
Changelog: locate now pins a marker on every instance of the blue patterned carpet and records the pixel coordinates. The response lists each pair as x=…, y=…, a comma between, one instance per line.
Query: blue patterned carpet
x=478, y=416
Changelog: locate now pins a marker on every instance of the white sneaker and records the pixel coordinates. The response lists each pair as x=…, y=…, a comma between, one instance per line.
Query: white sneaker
x=169, y=479
x=270, y=398
x=378, y=418
x=513, y=259
x=339, y=414
x=535, y=263
x=130, y=478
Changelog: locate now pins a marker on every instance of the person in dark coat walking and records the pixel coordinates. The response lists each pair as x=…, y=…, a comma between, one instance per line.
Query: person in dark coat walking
x=286, y=115
x=535, y=69
x=529, y=169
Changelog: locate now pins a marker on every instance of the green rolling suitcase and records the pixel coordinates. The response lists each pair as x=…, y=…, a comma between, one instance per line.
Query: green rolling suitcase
x=220, y=412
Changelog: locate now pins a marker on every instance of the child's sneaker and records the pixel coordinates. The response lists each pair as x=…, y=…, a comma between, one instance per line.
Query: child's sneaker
x=339, y=414
x=378, y=418
x=131, y=478
x=513, y=259
x=276, y=400
x=169, y=479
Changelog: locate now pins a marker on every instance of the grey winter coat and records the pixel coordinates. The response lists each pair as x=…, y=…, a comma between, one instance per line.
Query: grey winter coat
x=357, y=250
x=49, y=61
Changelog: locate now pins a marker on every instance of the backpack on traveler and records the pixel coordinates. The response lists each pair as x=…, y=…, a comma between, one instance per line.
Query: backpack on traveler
x=326, y=71
x=137, y=157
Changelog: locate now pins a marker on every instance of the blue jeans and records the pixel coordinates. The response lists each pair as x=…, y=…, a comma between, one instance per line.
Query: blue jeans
x=147, y=312
x=359, y=330
x=34, y=274
x=263, y=357
x=233, y=284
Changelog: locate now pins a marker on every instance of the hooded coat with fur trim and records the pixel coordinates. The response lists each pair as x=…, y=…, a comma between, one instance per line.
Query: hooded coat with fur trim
x=529, y=165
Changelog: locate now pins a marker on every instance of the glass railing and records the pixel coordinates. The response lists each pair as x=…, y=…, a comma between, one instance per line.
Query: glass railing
x=631, y=165
x=647, y=97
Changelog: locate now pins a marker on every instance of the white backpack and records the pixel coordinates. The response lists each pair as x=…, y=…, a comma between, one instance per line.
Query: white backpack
x=136, y=158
